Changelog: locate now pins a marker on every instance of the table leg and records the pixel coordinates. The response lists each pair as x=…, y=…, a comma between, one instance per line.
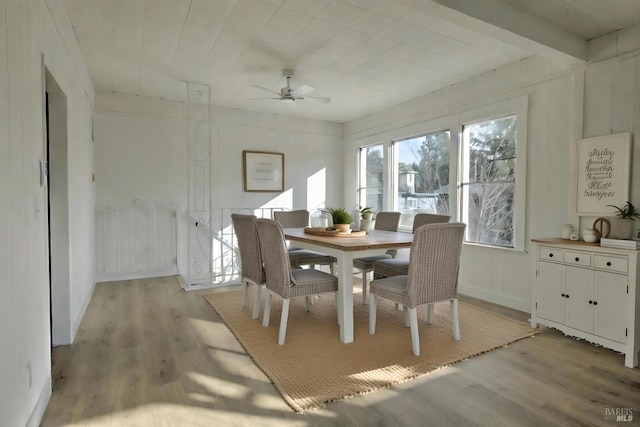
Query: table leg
x=345, y=293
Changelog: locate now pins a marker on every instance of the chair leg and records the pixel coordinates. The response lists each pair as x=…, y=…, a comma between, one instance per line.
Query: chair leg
x=284, y=317
x=307, y=302
x=454, y=319
x=430, y=313
x=415, y=336
x=364, y=286
x=373, y=305
x=245, y=291
x=407, y=320
x=332, y=268
x=256, y=302
x=267, y=310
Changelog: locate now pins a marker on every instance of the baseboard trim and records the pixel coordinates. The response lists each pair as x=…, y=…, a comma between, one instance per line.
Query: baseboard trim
x=102, y=277
x=41, y=405
x=516, y=304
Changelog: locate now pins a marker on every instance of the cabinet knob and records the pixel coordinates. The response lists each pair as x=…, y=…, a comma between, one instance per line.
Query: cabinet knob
x=562, y=295
x=608, y=263
x=590, y=302
x=550, y=255
x=595, y=303
x=577, y=259
x=566, y=296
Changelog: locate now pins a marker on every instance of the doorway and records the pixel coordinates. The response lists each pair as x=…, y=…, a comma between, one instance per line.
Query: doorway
x=56, y=156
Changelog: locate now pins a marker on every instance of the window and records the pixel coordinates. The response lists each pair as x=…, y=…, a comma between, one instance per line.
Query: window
x=421, y=174
x=488, y=181
x=371, y=189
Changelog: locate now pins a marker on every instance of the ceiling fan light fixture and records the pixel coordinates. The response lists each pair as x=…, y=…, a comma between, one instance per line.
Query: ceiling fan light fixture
x=287, y=100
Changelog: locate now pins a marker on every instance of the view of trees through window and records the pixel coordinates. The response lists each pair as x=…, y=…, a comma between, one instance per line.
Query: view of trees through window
x=422, y=175
x=488, y=181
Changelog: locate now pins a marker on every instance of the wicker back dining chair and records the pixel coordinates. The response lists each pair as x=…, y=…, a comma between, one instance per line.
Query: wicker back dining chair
x=434, y=262
x=282, y=280
x=250, y=258
x=387, y=221
x=396, y=266
x=302, y=257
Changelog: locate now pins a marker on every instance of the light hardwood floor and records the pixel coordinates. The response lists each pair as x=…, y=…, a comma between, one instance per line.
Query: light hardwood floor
x=149, y=354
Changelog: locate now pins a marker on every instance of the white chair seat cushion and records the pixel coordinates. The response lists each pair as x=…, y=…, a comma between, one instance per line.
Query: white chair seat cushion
x=302, y=257
x=310, y=281
x=366, y=263
x=392, y=288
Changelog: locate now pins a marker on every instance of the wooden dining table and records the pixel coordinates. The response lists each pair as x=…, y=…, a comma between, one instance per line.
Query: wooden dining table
x=345, y=249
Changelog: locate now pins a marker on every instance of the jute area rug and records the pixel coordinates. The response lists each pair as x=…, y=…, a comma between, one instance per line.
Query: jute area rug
x=314, y=367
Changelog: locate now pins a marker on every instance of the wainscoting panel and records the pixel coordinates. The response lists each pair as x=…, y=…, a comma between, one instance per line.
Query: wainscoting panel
x=136, y=241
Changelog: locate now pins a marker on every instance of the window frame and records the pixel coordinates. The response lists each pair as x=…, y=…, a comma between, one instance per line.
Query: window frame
x=454, y=123
x=519, y=108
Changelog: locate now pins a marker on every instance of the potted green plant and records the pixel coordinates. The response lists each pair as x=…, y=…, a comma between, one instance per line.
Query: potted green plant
x=342, y=219
x=367, y=212
x=622, y=225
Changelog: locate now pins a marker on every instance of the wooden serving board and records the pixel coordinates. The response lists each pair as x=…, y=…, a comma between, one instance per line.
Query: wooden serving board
x=321, y=231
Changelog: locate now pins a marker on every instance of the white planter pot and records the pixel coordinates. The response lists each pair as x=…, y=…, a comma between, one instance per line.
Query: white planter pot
x=621, y=228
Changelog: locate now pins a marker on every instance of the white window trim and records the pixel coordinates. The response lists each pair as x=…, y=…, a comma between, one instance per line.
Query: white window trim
x=454, y=124
x=519, y=107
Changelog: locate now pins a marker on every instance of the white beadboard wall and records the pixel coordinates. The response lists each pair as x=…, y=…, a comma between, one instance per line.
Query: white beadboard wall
x=500, y=275
x=142, y=155
x=29, y=28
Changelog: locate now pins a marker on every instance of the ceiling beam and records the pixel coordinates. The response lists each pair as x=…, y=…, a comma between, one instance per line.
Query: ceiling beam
x=501, y=21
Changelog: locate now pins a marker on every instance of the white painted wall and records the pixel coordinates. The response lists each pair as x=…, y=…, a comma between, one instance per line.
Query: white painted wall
x=29, y=28
x=141, y=154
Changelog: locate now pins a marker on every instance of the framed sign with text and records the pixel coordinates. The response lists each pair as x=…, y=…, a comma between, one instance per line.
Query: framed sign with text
x=263, y=171
x=603, y=173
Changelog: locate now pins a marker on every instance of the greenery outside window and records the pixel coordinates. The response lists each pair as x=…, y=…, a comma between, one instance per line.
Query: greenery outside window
x=488, y=181
x=421, y=172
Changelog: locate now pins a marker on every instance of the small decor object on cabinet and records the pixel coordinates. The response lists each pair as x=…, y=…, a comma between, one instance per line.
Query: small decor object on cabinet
x=602, y=172
x=622, y=224
x=589, y=236
x=341, y=219
x=602, y=227
x=567, y=231
x=263, y=171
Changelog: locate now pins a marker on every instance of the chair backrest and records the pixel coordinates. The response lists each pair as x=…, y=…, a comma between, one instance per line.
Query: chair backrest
x=277, y=266
x=292, y=219
x=434, y=262
x=387, y=221
x=249, y=245
x=427, y=218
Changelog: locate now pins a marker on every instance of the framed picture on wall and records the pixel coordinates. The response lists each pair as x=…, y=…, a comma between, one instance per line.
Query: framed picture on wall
x=603, y=173
x=263, y=171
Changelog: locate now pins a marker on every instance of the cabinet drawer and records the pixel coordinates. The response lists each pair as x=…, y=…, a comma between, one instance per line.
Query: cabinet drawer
x=577, y=258
x=611, y=263
x=550, y=254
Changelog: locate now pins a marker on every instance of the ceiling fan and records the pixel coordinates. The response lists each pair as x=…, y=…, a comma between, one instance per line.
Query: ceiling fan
x=290, y=94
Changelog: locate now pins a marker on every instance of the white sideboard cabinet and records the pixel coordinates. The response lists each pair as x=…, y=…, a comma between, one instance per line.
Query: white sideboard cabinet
x=588, y=292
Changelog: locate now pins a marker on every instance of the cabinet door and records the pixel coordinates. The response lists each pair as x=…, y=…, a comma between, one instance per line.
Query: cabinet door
x=579, y=291
x=610, y=312
x=550, y=287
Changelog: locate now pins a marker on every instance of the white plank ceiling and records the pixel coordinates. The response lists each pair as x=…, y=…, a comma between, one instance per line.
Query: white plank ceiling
x=366, y=55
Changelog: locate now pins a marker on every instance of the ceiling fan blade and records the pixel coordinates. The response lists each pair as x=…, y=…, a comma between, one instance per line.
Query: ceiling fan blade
x=260, y=99
x=265, y=89
x=315, y=99
x=302, y=90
